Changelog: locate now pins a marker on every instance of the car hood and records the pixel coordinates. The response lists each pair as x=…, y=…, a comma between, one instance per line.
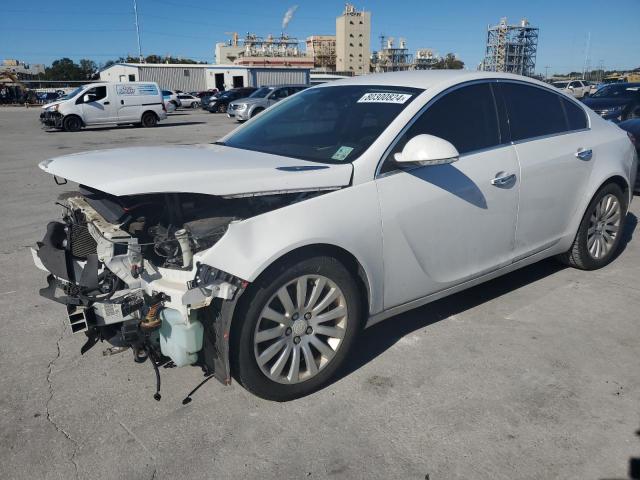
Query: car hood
x=208, y=169
x=600, y=103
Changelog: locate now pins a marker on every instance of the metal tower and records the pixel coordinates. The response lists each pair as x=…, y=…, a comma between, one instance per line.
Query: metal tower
x=511, y=48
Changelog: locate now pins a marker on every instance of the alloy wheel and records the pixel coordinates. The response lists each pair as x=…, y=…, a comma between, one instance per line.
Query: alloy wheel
x=300, y=329
x=604, y=225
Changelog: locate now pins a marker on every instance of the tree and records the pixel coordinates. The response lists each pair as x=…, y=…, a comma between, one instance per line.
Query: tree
x=449, y=62
x=88, y=68
x=63, y=69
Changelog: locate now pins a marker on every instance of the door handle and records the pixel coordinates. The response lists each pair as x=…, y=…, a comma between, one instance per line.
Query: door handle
x=106, y=103
x=503, y=179
x=121, y=102
x=584, y=154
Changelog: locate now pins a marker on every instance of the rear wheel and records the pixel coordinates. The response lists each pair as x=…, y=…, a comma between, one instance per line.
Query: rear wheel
x=72, y=123
x=295, y=329
x=195, y=105
x=222, y=108
x=149, y=119
x=600, y=231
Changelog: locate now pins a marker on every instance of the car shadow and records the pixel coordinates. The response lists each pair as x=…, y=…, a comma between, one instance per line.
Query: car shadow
x=375, y=340
x=98, y=128
x=450, y=179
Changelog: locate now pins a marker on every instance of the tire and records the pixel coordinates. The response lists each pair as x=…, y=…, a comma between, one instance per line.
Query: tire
x=149, y=120
x=299, y=333
x=221, y=108
x=72, y=123
x=587, y=253
x=195, y=105
x=256, y=112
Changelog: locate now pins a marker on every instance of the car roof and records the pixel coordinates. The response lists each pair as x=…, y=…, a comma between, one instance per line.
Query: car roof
x=426, y=78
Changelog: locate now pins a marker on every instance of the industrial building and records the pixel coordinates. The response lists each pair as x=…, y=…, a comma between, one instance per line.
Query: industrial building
x=392, y=58
x=21, y=69
x=511, y=48
x=322, y=49
x=253, y=50
x=200, y=77
x=353, y=40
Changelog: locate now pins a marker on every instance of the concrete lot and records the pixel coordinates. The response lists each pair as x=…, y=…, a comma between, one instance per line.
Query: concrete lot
x=531, y=376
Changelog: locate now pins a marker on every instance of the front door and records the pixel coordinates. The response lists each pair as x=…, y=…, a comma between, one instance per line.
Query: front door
x=446, y=224
x=98, y=106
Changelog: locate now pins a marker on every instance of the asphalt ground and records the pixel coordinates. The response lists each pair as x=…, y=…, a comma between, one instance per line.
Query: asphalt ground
x=535, y=375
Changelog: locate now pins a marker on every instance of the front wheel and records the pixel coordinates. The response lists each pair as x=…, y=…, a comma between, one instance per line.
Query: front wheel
x=72, y=123
x=195, y=105
x=297, y=326
x=600, y=230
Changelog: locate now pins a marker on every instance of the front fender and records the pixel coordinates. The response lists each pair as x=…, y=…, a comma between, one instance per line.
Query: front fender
x=347, y=218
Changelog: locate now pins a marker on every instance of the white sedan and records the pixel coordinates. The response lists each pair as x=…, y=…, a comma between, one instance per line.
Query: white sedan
x=263, y=255
x=189, y=101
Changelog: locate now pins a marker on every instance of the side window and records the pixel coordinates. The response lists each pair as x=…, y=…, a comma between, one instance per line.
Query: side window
x=466, y=117
x=95, y=94
x=280, y=94
x=533, y=112
x=576, y=118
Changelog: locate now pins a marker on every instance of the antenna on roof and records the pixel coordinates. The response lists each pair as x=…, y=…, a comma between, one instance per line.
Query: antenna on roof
x=135, y=13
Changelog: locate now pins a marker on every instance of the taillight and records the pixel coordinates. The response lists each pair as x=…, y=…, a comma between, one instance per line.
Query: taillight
x=633, y=139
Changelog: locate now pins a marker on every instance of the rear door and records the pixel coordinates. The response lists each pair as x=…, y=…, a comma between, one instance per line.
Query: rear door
x=134, y=99
x=97, y=105
x=549, y=132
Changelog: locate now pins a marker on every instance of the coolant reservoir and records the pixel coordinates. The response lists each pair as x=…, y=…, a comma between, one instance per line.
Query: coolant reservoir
x=180, y=340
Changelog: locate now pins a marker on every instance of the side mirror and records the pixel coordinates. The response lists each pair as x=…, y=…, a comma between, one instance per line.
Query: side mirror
x=86, y=98
x=570, y=87
x=427, y=150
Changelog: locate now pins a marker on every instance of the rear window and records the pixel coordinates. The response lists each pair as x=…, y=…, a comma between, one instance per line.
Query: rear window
x=533, y=112
x=576, y=118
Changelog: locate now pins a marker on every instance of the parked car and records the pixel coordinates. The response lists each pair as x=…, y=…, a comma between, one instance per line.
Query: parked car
x=261, y=256
x=169, y=106
x=206, y=93
x=261, y=99
x=171, y=96
x=189, y=101
x=616, y=101
x=632, y=127
x=220, y=102
x=577, y=88
x=104, y=103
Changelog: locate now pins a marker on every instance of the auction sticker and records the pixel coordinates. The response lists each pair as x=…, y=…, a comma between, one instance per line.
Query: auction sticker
x=384, y=97
x=342, y=153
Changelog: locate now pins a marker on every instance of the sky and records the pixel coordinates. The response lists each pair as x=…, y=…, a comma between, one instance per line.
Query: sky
x=40, y=31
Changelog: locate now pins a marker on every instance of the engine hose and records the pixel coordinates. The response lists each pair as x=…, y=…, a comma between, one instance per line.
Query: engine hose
x=156, y=396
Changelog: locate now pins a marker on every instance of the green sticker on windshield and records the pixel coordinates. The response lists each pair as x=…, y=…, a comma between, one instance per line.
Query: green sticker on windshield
x=342, y=153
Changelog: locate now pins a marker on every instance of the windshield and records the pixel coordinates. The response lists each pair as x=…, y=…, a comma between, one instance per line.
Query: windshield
x=327, y=124
x=72, y=94
x=261, y=92
x=560, y=84
x=617, y=91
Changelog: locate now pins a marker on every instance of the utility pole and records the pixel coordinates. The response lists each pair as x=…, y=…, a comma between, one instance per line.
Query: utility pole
x=546, y=72
x=135, y=12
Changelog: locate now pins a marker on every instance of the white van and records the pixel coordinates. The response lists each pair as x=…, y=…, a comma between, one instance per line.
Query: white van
x=102, y=103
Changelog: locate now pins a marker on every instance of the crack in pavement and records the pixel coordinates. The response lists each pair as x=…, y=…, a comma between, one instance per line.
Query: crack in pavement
x=50, y=419
x=144, y=447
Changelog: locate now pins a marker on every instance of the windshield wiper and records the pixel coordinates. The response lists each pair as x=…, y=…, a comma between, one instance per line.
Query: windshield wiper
x=219, y=143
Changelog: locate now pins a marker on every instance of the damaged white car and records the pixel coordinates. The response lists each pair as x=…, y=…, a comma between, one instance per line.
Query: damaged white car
x=262, y=256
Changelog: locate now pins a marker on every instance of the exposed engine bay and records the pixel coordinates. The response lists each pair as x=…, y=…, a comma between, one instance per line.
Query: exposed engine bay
x=126, y=268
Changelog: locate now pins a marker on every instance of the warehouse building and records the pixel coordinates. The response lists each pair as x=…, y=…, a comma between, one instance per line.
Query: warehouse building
x=200, y=77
